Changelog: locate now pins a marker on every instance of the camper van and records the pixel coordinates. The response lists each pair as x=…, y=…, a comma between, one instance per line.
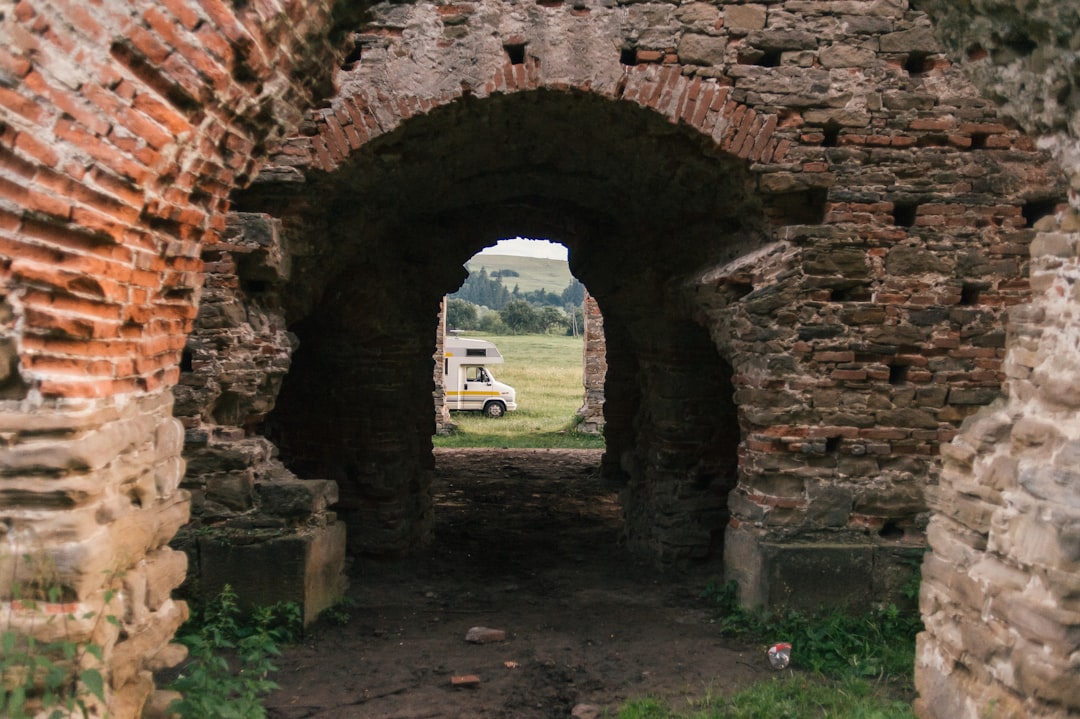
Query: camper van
x=469, y=382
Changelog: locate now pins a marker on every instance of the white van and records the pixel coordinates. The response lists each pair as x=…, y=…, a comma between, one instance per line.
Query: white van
x=469, y=383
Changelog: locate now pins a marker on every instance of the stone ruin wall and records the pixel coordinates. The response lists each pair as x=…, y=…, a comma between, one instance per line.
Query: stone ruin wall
x=1001, y=588
x=865, y=332
x=124, y=126
x=248, y=511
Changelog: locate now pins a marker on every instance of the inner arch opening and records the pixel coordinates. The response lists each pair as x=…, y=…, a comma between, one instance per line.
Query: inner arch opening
x=541, y=375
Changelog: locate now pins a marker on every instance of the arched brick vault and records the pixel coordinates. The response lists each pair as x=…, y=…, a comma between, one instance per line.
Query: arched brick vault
x=609, y=180
x=854, y=307
x=125, y=125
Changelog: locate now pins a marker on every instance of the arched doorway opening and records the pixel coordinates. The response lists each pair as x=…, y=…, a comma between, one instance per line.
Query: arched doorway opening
x=644, y=208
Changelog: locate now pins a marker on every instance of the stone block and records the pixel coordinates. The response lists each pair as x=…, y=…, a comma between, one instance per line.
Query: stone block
x=808, y=575
x=775, y=40
x=697, y=49
x=295, y=497
x=919, y=39
x=165, y=569
x=1046, y=676
x=305, y=566
x=741, y=19
x=845, y=56
x=234, y=490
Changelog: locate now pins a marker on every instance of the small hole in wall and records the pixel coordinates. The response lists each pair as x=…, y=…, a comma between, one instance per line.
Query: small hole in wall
x=855, y=293
x=187, y=361
x=628, y=56
x=898, y=374
x=904, y=213
x=771, y=58
x=916, y=63
x=516, y=53
x=1035, y=210
x=978, y=140
x=352, y=58
x=740, y=289
x=832, y=444
x=832, y=135
x=969, y=294
x=891, y=530
x=932, y=140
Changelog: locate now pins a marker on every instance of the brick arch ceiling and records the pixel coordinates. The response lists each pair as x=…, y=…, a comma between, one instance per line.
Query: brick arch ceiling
x=614, y=182
x=706, y=105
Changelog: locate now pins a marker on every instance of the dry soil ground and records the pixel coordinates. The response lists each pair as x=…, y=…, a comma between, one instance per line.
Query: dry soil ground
x=526, y=542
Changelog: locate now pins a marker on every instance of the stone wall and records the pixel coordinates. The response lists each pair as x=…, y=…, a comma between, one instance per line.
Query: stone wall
x=783, y=361
x=123, y=127
x=1001, y=588
x=248, y=511
x=594, y=368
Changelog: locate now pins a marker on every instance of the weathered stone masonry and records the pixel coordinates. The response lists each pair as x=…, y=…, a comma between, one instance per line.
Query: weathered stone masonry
x=123, y=127
x=1001, y=589
x=878, y=202
x=801, y=222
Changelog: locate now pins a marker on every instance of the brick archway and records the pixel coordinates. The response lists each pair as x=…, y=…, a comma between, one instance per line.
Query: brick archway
x=705, y=105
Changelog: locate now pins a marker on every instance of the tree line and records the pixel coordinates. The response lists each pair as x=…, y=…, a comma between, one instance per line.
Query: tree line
x=484, y=303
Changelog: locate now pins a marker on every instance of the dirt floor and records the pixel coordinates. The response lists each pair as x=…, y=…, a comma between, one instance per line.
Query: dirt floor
x=527, y=543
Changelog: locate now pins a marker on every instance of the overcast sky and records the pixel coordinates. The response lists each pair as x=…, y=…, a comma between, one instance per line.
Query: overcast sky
x=527, y=248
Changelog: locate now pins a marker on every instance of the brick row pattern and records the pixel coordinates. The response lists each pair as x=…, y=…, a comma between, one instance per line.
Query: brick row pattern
x=705, y=105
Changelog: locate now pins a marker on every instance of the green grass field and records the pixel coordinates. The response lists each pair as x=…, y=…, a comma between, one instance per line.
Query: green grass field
x=535, y=273
x=545, y=370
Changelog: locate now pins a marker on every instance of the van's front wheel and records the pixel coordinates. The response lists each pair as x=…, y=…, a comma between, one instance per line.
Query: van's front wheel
x=494, y=409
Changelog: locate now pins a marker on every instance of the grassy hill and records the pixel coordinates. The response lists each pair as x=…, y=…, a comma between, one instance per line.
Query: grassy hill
x=535, y=273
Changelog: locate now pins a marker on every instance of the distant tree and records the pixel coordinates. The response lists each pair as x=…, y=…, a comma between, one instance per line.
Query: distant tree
x=552, y=318
x=461, y=315
x=493, y=323
x=574, y=294
x=483, y=290
x=520, y=317
x=542, y=297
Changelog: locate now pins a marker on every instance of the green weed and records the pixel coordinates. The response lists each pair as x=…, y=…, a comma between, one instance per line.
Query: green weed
x=218, y=632
x=55, y=678
x=340, y=613
x=792, y=696
x=833, y=643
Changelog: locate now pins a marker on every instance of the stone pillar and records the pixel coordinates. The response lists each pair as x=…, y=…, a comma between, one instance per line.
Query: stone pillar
x=1001, y=590
x=443, y=423
x=249, y=512
x=594, y=362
